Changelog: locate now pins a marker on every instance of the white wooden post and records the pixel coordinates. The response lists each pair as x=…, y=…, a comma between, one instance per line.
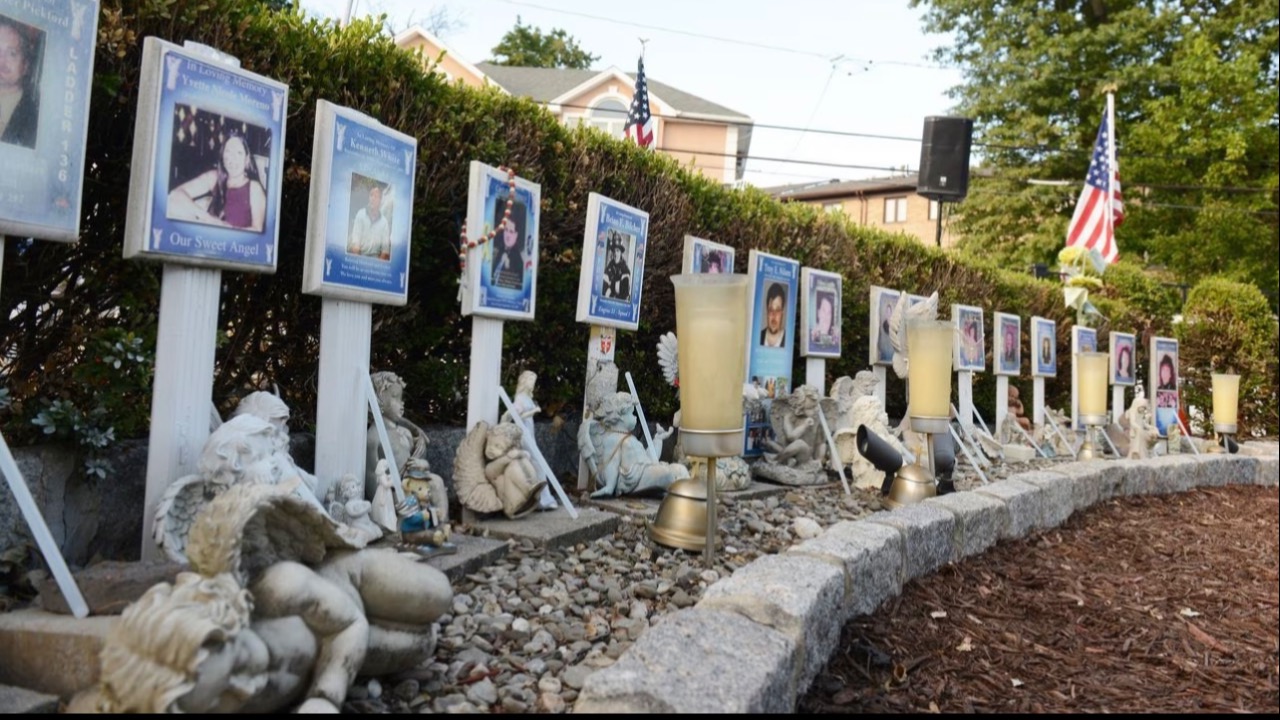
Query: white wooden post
x=186, y=340
x=600, y=348
x=486, y=371
x=1117, y=403
x=878, y=371
x=1037, y=401
x=964, y=390
x=1002, y=402
x=815, y=374
x=341, y=428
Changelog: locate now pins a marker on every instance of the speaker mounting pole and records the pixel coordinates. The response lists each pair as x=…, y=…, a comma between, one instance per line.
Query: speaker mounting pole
x=938, y=236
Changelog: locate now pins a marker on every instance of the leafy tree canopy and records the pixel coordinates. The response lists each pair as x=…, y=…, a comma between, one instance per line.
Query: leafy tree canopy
x=527, y=46
x=1198, y=136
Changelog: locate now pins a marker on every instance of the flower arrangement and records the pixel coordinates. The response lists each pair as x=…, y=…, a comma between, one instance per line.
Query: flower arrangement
x=1081, y=271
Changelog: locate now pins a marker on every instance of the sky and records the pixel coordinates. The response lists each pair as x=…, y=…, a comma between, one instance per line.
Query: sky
x=852, y=66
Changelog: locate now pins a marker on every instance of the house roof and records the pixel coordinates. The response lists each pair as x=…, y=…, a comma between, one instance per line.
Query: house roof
x=406, y=36
x=842, y=188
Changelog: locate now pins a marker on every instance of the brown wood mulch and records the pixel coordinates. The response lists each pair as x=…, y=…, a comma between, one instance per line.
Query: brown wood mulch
x=1151, y=604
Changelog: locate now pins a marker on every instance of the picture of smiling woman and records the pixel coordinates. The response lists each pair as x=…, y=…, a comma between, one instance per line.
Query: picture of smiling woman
x=20, y=49
x=215, y=179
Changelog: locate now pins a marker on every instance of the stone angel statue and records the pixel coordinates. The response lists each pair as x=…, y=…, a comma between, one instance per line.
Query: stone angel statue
x=523, y=401
x=615, y=457
x=281, y=610
x=796, y=454
x=493, y=472
x=903, y=313
x=408, y=441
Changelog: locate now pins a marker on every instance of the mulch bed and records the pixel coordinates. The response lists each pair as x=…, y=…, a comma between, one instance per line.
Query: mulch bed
x=1151, y=604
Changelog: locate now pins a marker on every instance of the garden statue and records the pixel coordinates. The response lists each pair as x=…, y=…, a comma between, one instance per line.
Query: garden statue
x=384, y=498
x=796, y=454
x=280, y=611
x=1047, y=437
x=1141, y=430
x=864, y=409
x=615, y=457
x=1173, y=440
x=905, y=312
x=492, y=472
x=523, y=400
x=350, y=507
x=408, y=441
x=423, y=515
x=269, y=407
x=846, y=391
x=243, y=451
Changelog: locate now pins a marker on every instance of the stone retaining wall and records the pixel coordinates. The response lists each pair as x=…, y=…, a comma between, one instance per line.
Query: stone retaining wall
x=759, y=637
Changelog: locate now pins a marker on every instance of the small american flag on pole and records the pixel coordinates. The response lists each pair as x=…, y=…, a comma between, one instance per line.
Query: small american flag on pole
x=1100, y=207
x=640, y=122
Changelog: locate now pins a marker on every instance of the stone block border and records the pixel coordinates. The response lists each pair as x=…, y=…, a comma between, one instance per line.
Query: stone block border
x=759, y=637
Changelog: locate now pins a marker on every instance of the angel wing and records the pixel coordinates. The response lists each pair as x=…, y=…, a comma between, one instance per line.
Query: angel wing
x=904, y=312
x=667, y=358
x=248, y=528
x=181, y=503
x=780, y=412
x=475, y=492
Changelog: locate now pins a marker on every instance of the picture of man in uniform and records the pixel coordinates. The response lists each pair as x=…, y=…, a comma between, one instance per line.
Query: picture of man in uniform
x=19, y=96
x=775, y=308
x=616, y=283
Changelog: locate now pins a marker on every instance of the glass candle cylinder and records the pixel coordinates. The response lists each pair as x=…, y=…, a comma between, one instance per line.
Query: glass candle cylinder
x=711, y=327
x=1092, y=369
x=929, y=347
x=1226, y=402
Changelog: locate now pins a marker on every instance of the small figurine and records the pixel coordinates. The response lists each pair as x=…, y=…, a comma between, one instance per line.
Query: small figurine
x=1173, y=441
x=424, y=513
x=1141, y=431
x=523, y=400
x=617, y=459
x=351, y=508
x=384, y=498
x=408, y=441
x=796, y=454
x=492, y=472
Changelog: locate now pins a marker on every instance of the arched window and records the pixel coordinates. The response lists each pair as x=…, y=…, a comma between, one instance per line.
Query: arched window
x=609, y=115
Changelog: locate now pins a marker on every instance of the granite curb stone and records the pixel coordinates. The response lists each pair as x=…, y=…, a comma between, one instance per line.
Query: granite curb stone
x=1173, y=474
x=980, y=522
x=1268, y=471
x=1095, y=481
x=1025, y=503
x=1060, y=495
x=698, y=661
x=926, y=537
x=798, y=596
x=1224, y=470
x=872, y=557
x=21, y=701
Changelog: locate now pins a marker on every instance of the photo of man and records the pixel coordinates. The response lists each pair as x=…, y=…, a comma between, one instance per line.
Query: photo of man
x=1009, y=358
x=774, y=334
x=882, y=309
x=21, y=48
x=619, y=252
x=371, y=207
x=712, y=262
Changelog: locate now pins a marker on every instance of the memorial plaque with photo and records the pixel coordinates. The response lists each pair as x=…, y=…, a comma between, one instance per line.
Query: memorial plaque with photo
x=704, y=256
x=1164, y=383
x=361, y=213
x=770, y=345
x=207, y=159
x=612, y=277
x=822, y=313
x=883, y=301
x=971, y=340
x=1044, y=347
x=1123, y=359
x=46, y=69
x=1008, y=344
x=502, y=273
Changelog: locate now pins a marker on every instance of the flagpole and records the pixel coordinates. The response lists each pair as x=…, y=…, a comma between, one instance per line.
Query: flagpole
x=1111, y=166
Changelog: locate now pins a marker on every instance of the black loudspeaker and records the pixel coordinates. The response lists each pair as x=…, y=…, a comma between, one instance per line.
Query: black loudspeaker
x=944, y=158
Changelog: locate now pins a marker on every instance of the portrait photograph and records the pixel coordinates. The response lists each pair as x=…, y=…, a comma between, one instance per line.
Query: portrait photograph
x=971, y=341
x=46, y=80
x=1008, y=344
x=704, y=256
x=1044, y=346
x=1123, y=359
x=611, y=279
x=883, y=301
x=501, y=273
x=207, y=152
x=370, y=219
x=821, y=318
x=1163, y=381
x=1084, y=339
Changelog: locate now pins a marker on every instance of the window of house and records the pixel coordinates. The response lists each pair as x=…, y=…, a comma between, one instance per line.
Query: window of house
x=609, y=115
x=933, y=209
x=895, y=210
x=833, y=207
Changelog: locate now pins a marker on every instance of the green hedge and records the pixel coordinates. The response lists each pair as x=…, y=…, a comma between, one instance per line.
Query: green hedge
x=270, y=328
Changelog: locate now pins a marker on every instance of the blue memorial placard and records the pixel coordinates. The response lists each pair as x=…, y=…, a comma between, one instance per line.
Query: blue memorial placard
x=359, y=227
x=1164, y=383
x=46, y=51
x=502, y=273
x=1044, y=347
x=208, y=156
x=613, y=251
x=1008, y=344
x=703, y=256
x=771, y=344
x=1124, y=359
x=821, y=319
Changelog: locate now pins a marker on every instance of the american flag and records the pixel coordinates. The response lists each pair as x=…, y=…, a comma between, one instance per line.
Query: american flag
x=640, y=122
x=1101, y=207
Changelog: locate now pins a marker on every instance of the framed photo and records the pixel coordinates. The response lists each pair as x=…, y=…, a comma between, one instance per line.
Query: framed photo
x=883, y=300
x=1164, y=383
x=502, y=274
x=612, y=278
x=1123, y=359
x=704, y=256
x=822, y=313
x=46, y=72
x=1044, y=346
x=770, y=346
x=1008, y=344
x=971, y=340
x=208, y=150
x=1083, y=340
x=361, y=212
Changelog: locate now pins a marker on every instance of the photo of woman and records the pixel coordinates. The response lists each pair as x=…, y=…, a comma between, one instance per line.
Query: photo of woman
x=21, y=48
x=1167, y=374
x=215, y=177
x=507, y=269
x=971, y=344
x=1008, y=344
x=1044, y=344
x=1122, y=365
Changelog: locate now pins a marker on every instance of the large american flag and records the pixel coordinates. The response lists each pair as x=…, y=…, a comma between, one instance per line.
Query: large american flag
x=1101, y=207
x=640, y=122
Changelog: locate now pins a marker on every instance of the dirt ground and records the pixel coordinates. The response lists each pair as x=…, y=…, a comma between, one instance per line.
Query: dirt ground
x=1151, y=604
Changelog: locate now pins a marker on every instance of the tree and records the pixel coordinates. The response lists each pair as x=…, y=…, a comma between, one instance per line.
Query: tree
x=1197, y=126
x=527, y=46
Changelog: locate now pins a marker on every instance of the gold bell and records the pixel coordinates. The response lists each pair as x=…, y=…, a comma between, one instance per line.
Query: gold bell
x=911, y=485
x=681, y=521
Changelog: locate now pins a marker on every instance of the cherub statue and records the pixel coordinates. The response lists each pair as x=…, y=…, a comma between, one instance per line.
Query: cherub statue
x=408, y=441
x=269, y=407
x=864, y=409
x=1055, y=440
x=242, y=451
x=351, y=508
x=492, y=472
x=846, y=391
x=796, y=454
x=614, y=456
x=281, y=611
x=1141, y=430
